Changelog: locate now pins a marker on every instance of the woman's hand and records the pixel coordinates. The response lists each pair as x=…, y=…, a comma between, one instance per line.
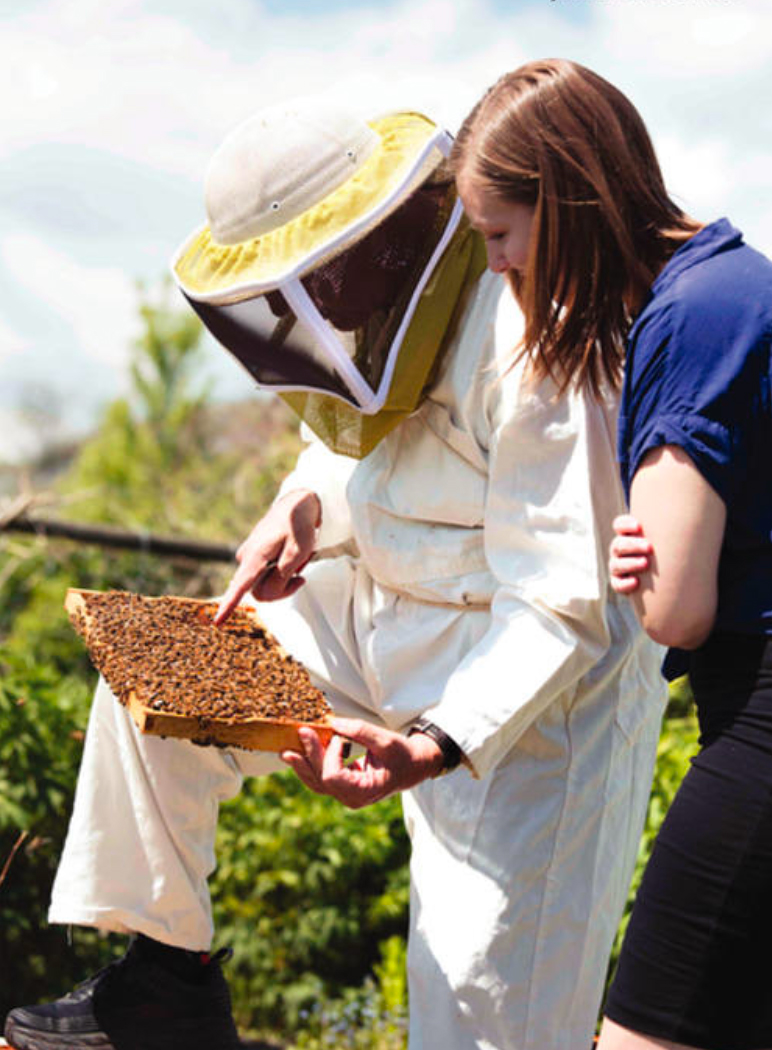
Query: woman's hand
x=629, y=555
x=392, y=762
x=275, y=552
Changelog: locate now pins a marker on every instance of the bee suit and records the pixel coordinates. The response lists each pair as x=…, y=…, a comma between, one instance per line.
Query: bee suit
x=460, y=575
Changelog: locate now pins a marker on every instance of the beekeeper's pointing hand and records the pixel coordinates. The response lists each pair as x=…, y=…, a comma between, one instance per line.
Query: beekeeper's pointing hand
x=275, y=552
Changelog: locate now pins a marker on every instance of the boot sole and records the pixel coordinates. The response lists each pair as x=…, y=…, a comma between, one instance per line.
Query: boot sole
x=20, y=1037
x=24, y=1039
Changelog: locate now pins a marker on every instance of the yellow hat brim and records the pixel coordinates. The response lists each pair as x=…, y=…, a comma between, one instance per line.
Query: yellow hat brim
x=216, y=272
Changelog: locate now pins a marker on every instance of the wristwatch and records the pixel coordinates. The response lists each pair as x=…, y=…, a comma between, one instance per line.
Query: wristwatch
x=451, y=752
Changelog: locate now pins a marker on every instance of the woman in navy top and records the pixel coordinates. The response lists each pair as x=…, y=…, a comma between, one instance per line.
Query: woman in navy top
x=557, y=171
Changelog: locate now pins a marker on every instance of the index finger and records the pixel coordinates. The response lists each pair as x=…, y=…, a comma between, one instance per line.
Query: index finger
x=237, y=588
x=370, y=736
x=243, y=580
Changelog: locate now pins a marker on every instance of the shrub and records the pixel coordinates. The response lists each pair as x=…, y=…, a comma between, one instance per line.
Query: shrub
x=304, y=893
x=41, y=714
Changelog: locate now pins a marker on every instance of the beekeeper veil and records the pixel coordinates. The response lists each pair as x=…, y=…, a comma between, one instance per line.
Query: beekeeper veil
x=335, y=262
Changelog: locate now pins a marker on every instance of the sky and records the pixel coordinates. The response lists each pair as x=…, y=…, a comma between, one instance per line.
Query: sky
x=111, y=109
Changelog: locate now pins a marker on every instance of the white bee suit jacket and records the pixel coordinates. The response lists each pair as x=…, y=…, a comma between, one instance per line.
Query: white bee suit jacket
x=474, y=591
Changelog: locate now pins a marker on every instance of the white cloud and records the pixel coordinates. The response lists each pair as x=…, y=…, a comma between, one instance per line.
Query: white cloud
x=11, y=342
x=679, y=40
x=108, y=75
x=120, y=76
x=98, y=304
x=162, y=88
x=698, y=176
x=17, y=442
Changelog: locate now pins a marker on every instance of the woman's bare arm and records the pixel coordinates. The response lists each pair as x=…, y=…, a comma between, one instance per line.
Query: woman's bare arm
x=684, y=519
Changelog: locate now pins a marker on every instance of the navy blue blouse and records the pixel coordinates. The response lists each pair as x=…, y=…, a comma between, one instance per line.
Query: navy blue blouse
x=697, y=375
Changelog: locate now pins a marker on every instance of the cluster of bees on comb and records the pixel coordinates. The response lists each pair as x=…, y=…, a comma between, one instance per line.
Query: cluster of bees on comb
x=169, y=653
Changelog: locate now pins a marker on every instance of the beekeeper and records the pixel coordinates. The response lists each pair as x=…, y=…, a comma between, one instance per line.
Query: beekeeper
x=457, y=608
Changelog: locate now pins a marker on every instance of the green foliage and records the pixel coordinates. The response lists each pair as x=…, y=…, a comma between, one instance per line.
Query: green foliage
x=304, y=893
x=41, y=713
x=31, y=795
x=680, y=700
x=371, y=1017
x=163, y=374
x=148, y=438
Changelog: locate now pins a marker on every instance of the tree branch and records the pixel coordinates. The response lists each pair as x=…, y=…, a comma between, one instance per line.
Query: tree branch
x=108, y=536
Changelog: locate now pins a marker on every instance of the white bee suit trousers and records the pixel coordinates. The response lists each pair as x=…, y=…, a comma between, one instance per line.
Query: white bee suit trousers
x=474, y=590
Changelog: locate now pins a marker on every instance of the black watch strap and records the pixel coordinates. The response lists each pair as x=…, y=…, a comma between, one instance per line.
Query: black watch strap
x=451, y=752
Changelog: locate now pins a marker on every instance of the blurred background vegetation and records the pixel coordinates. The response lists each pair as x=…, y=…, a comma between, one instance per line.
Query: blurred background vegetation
x=312, y=898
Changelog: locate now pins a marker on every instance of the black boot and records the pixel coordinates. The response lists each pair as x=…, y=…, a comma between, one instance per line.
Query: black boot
x=154, y=998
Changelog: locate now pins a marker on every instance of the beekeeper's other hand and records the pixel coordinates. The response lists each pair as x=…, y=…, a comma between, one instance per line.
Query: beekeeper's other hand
x=392, y=762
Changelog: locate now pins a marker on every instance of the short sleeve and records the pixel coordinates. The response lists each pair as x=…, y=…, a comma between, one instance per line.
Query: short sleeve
x=696, y=378
x=707, y=443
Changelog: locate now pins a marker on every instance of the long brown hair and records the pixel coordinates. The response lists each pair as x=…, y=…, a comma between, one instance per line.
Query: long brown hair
x=555, y=135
